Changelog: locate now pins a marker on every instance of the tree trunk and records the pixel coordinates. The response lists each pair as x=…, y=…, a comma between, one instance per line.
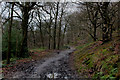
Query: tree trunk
x=64, y=34
x=9, y=36
x=49, y=38
x=49, y=45
x=34, y=38
x=95, y=32
x=111, y=32
x=105, y=18
x=59, y=35
x=24, y=47
x=54, y=35
x=119, y=18
x=33, y=35
x=41, y=35
x=16, y=54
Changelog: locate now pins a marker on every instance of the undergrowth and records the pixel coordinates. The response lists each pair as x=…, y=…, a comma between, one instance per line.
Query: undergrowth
x=97, y=60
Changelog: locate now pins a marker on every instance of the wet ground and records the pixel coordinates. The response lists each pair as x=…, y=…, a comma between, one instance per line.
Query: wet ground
x=56, y=67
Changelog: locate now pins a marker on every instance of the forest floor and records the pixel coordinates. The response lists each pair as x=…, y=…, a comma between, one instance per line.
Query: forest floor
x=88, y=60
x=58, y=66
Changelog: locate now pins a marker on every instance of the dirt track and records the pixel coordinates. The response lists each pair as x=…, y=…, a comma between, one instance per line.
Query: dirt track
x=56, y=67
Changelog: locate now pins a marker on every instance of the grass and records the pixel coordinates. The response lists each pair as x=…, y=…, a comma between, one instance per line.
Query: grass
x=12, y=61
x=37, y=53
x=37, y=49
x=98, y=60
x=82, y=46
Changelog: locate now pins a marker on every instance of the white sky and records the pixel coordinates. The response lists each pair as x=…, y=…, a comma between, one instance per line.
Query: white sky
x=63, y=0
x=70, y=9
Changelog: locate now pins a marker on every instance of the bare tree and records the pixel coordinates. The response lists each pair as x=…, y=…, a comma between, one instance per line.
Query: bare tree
x=119, y=18
x=25, y=7
x=9, y=36
x=93, y=17
x=54, y=33
x=60, y=25
x=48, y=9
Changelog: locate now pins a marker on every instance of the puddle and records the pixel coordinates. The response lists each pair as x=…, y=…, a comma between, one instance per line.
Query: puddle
x=53, y=75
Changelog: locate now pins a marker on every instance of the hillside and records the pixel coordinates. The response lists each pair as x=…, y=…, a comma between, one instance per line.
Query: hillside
x=98, y=60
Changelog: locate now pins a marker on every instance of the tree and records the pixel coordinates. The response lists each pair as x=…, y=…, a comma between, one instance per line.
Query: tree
x=54, y=33
x=107, y=12
x=9, y=36
x=60, y=25
x=93, y=17
x=25, y=7
x=50, y=22
x=41, y=33
x=119, y=18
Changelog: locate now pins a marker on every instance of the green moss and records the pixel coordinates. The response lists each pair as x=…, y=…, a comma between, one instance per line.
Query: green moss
x=4, y=64
x=97, y=75
x=104, y=65
x=104, y=51
x=83, y=46
x=108, y=58
x=100, y=57
x=104, y=77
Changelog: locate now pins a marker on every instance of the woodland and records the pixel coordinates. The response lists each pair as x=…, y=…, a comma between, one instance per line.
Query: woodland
x=36, y=30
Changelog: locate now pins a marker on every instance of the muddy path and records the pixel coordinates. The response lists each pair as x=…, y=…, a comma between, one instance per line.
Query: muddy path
x=54, y=67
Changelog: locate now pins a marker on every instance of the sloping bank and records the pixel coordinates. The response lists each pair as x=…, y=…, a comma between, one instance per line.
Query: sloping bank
x=97, y=60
